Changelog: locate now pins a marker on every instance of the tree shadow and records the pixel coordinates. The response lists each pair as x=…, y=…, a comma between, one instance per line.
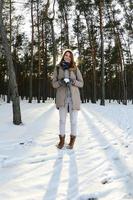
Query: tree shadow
x=54, y=182
x=73, y=184
x=113, y=155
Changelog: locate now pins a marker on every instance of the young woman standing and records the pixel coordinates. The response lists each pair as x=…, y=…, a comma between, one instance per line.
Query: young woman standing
x=67, y=79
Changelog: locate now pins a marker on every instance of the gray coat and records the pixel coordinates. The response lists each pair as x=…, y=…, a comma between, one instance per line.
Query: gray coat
x=61, y=91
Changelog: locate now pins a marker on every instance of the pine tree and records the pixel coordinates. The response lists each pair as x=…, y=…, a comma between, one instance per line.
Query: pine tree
x=11, y=72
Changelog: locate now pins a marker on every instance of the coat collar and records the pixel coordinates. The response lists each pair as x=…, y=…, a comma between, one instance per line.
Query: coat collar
x=70, y=69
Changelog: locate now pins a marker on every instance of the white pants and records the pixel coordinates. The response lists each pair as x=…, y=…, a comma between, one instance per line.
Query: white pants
x=73, y=120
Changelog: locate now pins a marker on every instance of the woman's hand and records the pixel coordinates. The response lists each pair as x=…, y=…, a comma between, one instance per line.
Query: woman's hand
x=73, y=81
x=66, y=81
x=62, y=82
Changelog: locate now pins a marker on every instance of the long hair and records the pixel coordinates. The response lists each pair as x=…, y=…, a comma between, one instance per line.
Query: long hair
x=72, y=63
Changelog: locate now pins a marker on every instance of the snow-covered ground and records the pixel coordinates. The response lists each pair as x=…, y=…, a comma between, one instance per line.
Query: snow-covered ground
x=101, y=164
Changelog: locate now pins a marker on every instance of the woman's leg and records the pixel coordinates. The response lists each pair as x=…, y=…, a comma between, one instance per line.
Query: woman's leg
x=73, y=121
x=62, y=120
x=62, y=123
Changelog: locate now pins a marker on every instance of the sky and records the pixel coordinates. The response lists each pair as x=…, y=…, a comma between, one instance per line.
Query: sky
x=27, y=21
x=100, y=165
x=19, y=5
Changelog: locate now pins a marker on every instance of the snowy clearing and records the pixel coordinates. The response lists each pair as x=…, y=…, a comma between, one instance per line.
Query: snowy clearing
x=101, y=164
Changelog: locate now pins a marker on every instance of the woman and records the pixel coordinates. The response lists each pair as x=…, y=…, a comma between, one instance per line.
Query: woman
x=67, y=79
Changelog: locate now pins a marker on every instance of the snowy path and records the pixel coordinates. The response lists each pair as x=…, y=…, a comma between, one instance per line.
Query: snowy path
x=31, y=168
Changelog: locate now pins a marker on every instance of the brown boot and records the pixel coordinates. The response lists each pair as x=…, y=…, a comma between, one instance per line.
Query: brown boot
x=72, y=141
x=61, y=142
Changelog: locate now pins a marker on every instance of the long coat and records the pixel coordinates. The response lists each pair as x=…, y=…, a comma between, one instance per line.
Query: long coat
x=61, y=91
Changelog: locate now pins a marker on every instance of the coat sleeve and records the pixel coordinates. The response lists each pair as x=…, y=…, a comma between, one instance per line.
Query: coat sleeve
x=55, y=82
x=79, y=82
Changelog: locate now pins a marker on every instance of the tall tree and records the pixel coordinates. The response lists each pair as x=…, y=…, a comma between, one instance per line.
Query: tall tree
x=64, y=8
x=10, y=19
x=12, y=76
x=120, y=54
x=39, y=53
x=101, y=8
x=32, y=56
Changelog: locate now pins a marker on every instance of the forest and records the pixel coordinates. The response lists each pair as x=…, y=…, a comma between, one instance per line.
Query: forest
x=99, y=32
x=93, y=158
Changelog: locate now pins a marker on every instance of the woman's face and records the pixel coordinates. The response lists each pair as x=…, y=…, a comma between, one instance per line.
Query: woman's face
x=67, y=57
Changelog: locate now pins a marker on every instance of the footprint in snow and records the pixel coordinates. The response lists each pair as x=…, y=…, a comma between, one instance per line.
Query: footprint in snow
x=115, y=143
x=128, y=196
x=105, y=181
x=106, y=147
x=115, y=157
x=88, y=197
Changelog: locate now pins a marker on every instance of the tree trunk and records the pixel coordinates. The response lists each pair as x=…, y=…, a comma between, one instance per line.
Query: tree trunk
x=32, y=46
x=66, y=30
x=121, y=59
x=101, y=6
x=39, y=54
x=43, y=57
x=12, y=76
x=46, y=62
x=8, y=91
x=93, y=52
x=77, y=35
x=53, y=42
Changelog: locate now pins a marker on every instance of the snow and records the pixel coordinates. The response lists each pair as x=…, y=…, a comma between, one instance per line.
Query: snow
x=100, y=166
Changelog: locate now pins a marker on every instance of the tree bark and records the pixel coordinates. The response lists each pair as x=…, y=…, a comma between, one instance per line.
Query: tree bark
x=121, y=58
x=39, y=54
x=101, y=5
x=8, y=92
x=93, y=56
x=32, y=46
x=12, y=76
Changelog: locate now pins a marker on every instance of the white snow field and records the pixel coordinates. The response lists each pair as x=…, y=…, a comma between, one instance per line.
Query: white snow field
x=100, y=166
